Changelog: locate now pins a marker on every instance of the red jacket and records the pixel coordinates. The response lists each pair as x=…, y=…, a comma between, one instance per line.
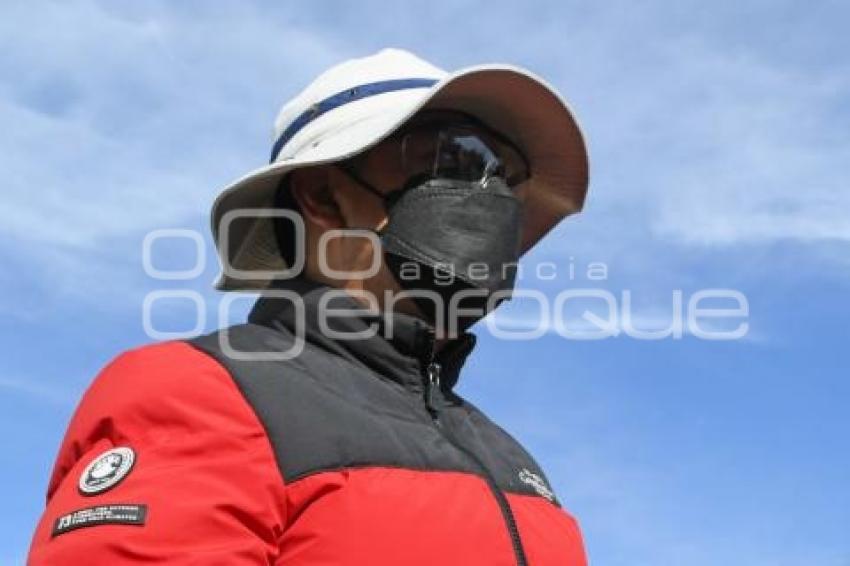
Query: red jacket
x=353, y=452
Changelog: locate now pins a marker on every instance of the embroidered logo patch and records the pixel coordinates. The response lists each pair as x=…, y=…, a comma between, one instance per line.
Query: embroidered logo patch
x=537, y=483
x=107, y=470
x=117, y=514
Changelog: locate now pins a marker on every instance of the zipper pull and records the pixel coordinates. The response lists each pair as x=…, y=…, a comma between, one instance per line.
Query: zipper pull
x=433, y=385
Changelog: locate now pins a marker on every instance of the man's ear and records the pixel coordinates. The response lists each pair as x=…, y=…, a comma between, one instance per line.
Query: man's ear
x=311, y=189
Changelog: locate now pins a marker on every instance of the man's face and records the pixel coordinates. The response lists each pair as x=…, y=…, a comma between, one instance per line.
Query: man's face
x=329, y=199
x=332, y=198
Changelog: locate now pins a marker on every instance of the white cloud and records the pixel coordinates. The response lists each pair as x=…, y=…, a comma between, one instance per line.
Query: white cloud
x=721, y=145
x=129, y=121
x=761, y=156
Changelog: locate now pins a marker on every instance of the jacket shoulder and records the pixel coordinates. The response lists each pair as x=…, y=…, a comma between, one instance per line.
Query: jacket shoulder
x=148, y=395
x=197, y=459
x=142, y=385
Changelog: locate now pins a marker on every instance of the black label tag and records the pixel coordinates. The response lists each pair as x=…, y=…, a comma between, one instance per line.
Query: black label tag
x=116, y=514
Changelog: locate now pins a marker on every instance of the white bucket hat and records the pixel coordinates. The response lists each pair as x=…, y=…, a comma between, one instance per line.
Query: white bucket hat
x=356, y=104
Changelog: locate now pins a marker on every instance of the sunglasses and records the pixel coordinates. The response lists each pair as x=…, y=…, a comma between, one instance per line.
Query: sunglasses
x=445, y=144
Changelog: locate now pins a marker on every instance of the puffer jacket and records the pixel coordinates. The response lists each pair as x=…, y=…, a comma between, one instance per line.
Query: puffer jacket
x=217, y=450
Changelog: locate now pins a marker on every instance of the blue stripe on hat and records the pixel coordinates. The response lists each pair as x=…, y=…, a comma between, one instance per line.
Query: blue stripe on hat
x=341, y=98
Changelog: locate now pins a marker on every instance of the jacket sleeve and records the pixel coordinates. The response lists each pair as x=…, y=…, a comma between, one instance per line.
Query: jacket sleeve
x=203, y=488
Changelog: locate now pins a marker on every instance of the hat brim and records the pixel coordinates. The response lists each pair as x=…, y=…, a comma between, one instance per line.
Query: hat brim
x=511, y=100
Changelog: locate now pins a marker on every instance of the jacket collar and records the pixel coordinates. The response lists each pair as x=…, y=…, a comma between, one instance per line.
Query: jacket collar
x=400, y=349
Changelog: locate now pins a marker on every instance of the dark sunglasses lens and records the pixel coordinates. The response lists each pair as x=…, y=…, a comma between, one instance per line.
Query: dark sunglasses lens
x=460, y=152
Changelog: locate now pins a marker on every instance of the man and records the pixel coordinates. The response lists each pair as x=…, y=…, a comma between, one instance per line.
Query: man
x=326, y=429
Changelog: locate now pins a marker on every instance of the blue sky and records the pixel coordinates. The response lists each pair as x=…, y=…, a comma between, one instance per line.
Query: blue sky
x=719, y=136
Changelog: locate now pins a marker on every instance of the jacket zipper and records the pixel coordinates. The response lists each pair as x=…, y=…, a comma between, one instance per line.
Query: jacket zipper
x=431, y=391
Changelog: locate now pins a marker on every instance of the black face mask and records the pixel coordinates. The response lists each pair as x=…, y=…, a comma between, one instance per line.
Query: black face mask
x=449, y=236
